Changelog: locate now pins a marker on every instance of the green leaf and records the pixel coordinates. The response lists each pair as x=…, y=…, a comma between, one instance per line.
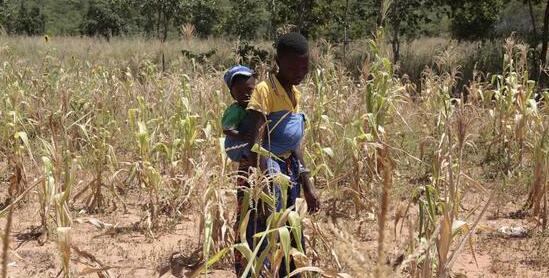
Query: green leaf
x=267, y=199
x=204, y=266
x=208, y=226
x=286, y=243
x=264, y=233
x=245, y=250
x=295, y=224
x=243, y=226
x=264, y=152
x=161, y=148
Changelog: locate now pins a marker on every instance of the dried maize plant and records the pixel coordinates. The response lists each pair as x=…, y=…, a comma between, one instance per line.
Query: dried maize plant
x=434, y=196
x=101, y=159
x=513, y=106
x=214, y=226
x=379, y=95
x=215, y=221
x=187, y=31
x=47, y=193
x=274, y=244
x=537, y=198
x=179, y=138
x=328, y=139
x=63, y=230
x=14, y=128
x=95, y=132
x=518, y=122
x=18, y=180
x=58, y=197
x=185, y=130
x=15, y=146
x=144, y=170
x=439, y=223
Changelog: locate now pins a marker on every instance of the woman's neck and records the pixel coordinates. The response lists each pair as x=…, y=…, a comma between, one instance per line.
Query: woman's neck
x=285, y=83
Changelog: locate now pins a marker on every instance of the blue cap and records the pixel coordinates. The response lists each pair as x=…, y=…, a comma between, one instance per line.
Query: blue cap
x=234, y=71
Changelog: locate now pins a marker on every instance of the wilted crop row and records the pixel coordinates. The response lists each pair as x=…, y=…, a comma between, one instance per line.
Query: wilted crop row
x=85, y=135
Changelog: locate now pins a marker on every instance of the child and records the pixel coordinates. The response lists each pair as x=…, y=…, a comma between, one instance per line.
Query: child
x=241, y=82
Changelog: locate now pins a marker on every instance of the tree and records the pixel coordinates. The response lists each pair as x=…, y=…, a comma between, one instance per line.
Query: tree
x=37, y=22
x=532, y=17
x=208, y=16
x=2, y=13
x=405, y=18
x=162, y=14
x=63, y=17
x=22, y=23
x=539, y=63
x=246, y=19
x=323, y=18
x=305, y=10
x=282, y=13
x=102, y=19
x=29, y=23
x=474, y=19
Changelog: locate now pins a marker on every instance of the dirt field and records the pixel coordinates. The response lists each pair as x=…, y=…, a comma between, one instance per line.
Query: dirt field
x=126, y=251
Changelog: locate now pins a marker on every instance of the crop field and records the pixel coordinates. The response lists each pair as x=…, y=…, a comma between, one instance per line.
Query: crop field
x=111, y=164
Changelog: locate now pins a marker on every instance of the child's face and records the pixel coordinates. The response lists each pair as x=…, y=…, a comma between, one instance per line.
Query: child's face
x=242, y=90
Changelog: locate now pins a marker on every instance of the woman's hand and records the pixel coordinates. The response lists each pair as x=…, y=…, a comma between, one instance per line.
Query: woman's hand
x=313, y=204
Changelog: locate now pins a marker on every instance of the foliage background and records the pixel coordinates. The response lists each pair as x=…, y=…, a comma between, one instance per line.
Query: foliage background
x=250, y=19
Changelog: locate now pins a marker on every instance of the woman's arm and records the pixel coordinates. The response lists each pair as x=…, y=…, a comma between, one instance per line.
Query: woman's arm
x=309, y=192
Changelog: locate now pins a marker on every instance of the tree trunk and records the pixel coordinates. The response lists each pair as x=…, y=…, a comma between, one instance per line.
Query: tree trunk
x=381, y=14
x=158, y=21
x=395, y=22
x=346, y=25
x=302, y=15
x=273, y=19
x=396, y=44
x=534, y=42
x=534, y=27
x=543, y=59
x=166, y=26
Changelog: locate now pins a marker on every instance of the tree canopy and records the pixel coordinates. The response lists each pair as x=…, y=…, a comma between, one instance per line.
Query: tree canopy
x=247, y=19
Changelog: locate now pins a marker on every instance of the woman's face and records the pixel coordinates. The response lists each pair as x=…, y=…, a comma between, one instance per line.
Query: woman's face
x=293, y=67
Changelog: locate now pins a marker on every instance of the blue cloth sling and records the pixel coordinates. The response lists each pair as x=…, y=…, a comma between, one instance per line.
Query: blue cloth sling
x=285, y=131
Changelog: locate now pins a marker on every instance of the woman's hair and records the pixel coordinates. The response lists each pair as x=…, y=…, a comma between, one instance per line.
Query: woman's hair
x=293, y=43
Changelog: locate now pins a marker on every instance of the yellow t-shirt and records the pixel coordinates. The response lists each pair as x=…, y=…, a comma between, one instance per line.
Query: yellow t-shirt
x=269, y=96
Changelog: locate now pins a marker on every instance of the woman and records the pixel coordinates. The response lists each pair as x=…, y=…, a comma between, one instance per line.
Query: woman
x=276, y=124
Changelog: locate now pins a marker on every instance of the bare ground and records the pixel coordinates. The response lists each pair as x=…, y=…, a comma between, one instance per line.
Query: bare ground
x=128, y=252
